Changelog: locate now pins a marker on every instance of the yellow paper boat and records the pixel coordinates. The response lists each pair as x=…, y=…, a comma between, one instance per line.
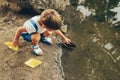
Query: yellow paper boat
x=10, y=45
x=33, y=63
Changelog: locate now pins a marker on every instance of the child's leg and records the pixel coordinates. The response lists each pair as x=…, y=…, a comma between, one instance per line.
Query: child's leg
x=35, y=40
x=46, y=33
x=45, y=39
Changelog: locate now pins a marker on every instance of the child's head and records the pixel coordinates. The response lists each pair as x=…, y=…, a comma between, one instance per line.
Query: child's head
x=51, y=19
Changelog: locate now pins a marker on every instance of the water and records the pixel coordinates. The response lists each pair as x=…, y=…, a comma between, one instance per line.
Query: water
x=97, y=56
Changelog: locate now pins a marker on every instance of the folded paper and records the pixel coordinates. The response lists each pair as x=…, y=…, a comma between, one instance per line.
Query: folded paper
x=33, y=63
x=10, y=45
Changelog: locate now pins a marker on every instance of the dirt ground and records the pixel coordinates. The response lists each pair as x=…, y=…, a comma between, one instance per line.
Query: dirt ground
x=12, y=65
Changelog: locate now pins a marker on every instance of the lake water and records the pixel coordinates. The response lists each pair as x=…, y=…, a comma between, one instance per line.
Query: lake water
x=97, y=36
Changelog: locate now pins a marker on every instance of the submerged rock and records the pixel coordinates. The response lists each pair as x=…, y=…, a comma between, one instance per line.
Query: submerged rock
x=108, y=46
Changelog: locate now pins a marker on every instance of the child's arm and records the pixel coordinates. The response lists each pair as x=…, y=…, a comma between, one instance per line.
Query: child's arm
x=66, y=40
x=17, y=35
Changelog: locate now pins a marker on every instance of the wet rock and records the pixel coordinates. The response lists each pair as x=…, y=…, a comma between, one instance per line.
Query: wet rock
x=118, y=58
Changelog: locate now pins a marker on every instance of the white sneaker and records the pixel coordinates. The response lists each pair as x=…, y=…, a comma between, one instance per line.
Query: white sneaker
x=37, y=50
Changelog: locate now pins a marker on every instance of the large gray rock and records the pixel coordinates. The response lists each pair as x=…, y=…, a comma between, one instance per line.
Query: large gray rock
x=12, y=63
x=17, y=5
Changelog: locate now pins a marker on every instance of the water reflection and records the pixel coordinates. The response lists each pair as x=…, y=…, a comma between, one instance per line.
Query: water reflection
x=117, y=18
x=98, y=42
x=102, y=8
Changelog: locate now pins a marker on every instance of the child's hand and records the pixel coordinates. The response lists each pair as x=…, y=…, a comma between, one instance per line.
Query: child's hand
x=15, y=42
x=66, y=40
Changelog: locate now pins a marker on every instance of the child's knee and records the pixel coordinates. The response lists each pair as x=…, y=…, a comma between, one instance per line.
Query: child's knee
x=35, y=38
x=47, y=33
x=35, y=41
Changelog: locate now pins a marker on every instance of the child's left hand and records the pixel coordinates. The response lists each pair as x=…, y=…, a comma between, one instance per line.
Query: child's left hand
x=66, y=40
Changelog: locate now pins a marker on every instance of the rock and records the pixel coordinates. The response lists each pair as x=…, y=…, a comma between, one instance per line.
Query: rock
x=3, y=5
x=12, y=65
x=14, y=7
x=37, y=5
x=64, y=28
x=56, y=4
x=108, y=46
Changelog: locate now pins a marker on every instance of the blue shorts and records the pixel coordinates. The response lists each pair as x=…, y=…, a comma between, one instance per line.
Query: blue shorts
x=27, y=37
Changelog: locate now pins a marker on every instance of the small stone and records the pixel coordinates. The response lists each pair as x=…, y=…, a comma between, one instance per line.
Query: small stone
x=108, y=46
x=64, y=28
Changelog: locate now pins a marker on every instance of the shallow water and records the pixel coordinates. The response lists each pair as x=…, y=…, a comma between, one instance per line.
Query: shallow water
x=97, y=56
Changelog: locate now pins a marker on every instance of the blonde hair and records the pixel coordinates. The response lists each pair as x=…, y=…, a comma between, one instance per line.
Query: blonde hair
x=51, y=19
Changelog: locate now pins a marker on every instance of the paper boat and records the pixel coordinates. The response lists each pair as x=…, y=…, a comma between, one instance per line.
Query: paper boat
x=10, y=45
x=33, y=63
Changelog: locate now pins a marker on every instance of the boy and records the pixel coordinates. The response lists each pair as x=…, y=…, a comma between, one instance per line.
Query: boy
x=38, y=27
